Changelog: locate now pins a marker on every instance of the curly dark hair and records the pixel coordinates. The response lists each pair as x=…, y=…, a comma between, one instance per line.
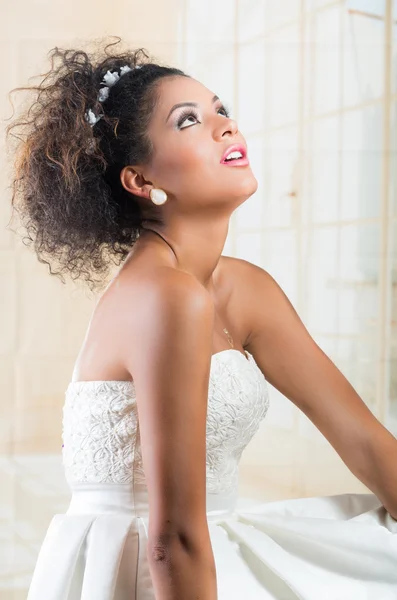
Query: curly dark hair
x=66, y=181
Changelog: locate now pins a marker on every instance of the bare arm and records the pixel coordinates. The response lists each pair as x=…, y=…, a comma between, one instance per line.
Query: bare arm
x=168, y=346
x=294, y=364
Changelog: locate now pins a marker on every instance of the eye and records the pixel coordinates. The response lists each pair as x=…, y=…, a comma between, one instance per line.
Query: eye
x=192, y=113
x=226, y=111
x=184, y=116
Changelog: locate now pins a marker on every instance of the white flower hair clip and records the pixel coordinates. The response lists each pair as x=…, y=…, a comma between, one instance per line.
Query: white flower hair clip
x=109, y=79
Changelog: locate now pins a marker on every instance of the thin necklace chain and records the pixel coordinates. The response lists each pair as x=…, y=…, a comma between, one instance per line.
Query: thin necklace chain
x=229, y=337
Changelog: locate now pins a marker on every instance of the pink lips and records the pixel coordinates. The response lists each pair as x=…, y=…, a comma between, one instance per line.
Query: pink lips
x=238, y=162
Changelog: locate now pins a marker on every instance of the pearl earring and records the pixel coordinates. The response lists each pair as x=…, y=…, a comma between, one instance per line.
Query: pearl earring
x=158, y=196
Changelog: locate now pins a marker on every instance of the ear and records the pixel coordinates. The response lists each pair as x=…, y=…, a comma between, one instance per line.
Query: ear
x=134, y=182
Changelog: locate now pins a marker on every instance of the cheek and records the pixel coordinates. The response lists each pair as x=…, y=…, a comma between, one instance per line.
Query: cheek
x=183, y=163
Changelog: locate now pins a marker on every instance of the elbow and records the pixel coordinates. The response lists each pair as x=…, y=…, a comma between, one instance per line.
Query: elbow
x=182, y=566
x=163, y=546
x=180, y=543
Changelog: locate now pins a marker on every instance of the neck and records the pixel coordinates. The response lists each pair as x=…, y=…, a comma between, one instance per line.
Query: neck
x=195, y=247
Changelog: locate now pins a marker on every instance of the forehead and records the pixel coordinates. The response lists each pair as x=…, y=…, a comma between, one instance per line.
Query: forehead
x=173, y=90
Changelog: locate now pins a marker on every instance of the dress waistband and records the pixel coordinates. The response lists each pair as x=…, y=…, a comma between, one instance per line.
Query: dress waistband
x=94, y=498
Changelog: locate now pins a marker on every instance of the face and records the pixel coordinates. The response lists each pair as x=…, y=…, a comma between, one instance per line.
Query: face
x=188, y=144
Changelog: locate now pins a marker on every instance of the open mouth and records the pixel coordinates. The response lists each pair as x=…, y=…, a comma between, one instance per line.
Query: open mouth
x=235, y=155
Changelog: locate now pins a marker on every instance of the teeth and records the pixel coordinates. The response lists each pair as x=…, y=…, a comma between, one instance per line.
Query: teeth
x=235, y=154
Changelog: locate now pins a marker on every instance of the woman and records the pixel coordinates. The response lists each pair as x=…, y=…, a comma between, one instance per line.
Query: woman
x=143, y=161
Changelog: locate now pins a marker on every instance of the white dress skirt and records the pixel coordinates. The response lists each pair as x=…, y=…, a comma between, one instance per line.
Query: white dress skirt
x=341, y=547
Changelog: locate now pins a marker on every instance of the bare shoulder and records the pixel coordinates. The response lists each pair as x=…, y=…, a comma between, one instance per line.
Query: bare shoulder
x=239, y=267
x=163, y=284
x=249, y=276
x=257, y=297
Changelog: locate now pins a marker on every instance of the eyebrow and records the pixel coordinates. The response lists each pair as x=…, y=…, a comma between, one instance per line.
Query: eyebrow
x=214, y=99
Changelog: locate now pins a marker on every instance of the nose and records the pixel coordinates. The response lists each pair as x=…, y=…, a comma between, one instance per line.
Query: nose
x=227, y=126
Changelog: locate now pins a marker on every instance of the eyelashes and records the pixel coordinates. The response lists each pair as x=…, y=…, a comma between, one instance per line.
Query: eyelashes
x=190, y=112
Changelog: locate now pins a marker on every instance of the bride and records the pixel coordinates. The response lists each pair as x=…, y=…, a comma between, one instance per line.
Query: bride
x=125, y=157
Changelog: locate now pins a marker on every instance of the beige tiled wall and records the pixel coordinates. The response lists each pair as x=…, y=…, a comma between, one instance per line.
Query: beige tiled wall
x=42, y=321
x=306, y=83
x=249, y=53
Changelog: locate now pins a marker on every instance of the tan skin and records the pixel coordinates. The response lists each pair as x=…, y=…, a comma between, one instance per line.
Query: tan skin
x=196, y=214
x=168, y=306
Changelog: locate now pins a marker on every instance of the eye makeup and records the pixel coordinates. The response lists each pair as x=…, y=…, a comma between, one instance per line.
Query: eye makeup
x=189, y=112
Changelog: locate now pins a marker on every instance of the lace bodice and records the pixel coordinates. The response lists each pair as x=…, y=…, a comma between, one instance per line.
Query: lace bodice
x=101, y=441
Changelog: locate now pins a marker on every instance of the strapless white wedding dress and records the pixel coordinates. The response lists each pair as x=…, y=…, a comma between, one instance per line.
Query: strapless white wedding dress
x=341, y=547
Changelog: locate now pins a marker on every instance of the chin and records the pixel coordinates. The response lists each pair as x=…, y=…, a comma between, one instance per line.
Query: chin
x=248, y=187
